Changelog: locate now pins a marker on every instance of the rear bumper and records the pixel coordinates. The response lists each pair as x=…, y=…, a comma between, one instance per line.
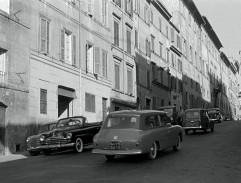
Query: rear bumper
x=117, y=152
x=192, y=127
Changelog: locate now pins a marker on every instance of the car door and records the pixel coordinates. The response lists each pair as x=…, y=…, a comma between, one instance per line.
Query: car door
x=167, y=134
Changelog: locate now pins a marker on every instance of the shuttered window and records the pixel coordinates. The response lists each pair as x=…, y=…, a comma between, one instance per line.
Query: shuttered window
x=43, y=101
x=136, y=38
x=89, y=102
x=67, y=47
x=116, y=33
x=172, y=35
x=104, y=64
x=97, y=60
x=117, y=76
x=128, y=38
x=129, y=81
x=148, y=79
x=104, y=12
x=44, y=36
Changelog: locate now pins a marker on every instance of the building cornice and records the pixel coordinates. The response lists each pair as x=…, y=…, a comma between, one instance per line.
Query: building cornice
x=162, y=9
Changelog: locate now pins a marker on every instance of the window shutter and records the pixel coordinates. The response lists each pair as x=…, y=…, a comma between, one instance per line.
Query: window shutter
x=62, y=45
x=43, y=35
x=97, y=60
x=74, y=50
x=172, y=35
x=117, y=77
x=129, y=82
x=104, y=64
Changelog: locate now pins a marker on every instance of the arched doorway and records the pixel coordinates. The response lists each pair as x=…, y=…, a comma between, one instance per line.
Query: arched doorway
x=2, y=128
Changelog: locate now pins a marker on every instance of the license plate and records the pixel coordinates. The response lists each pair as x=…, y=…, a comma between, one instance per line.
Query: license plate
x=115, y=146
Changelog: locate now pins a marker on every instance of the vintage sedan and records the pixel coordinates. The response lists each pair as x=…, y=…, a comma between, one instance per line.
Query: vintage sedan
x=133, y=132
x=70, y=133
x=33, y=142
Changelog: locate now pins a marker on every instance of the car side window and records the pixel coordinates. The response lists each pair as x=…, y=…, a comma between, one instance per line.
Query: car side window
x=149, y=121
x=164, y=120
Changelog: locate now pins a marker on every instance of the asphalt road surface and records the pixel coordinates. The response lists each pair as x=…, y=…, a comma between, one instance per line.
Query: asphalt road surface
x=203, y=158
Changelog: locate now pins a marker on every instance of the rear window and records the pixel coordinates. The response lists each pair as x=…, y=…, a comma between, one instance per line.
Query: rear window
x=121, y=122
x=192, y=114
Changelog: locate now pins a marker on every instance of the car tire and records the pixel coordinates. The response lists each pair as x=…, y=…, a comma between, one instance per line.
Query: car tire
x=47, y=152
x=178, y=145
x=212, y=129
x=205, y=130
x=153, y=151
x=186, y=132
x=34, y=153
x=110, y=157
x=78, y=145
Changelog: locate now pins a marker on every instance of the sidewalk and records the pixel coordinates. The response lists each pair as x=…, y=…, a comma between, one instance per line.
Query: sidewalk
x=12, y=157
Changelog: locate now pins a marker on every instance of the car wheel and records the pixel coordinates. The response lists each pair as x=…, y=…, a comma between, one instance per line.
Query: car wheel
x=34, y=153
x=47, y=152
x=153, y=151
x=205, y=129
x=110, y=157
x=212, y=129
x=78, y=145
x=178, y=145
x=186, y=132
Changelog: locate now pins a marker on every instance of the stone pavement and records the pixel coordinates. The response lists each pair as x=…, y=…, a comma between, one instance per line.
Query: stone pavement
x=11, y=157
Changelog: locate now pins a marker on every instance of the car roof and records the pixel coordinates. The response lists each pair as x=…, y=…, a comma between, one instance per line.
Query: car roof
x=195, y=109
x=137, y=112
x=167, y=107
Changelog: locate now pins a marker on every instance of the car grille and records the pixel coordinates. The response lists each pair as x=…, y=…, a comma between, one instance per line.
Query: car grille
x=34, y=142
x=55, y=141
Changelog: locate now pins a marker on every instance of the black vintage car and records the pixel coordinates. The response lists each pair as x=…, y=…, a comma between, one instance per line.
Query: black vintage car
x=33, y=142
x=72, y=132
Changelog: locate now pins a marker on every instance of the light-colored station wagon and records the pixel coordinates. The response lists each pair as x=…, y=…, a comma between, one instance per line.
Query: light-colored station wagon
x=134, y=132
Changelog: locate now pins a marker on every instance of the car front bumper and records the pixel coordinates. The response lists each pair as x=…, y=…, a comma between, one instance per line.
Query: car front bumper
x=51, y=146
x=117, y=152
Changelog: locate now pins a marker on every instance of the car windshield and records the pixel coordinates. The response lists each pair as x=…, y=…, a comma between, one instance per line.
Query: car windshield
x=192, y=114
x=121, y=122
x=70, y=122
x=47, y=127
x=213, y=115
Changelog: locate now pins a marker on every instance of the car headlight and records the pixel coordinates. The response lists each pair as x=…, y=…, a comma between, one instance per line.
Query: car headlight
x=41, y=138
x=27, y=139
x=69, y=135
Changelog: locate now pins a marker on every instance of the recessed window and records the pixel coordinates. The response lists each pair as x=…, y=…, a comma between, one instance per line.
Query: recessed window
x=89, y=102
x=117, y=76
x=68, y=47
x=116, y=33
x=2, y=65
x=129, y=81
x=89, y=57
x=44, y=35
x=43, y=101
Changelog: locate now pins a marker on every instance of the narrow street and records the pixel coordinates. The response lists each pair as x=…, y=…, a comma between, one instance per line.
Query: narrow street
x=203, y=158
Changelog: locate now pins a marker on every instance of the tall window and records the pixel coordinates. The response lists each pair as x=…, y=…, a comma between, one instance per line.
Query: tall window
x=167, y=56
x=68, y=47
x=137, y=74
x=167, y=30
x=104, y=12
x=116, y=33
x=173, y=60
x=160, y=24
x=153, y=43
x=160, y=44
x=179, y=65
x=89, y=102
x=128, y=40
x=137, y=6
x=148, y=48
x=129, y=81
x=43, y=101
x=172, y=35
x=89, y=57
x=117, y=76
x=148, y=79
x=117, y=2
x=136, y=38
x=128, y=7
x=44, y=35
x=97, y=61
x=2, y=65
x=104, y=64
x=90, y=11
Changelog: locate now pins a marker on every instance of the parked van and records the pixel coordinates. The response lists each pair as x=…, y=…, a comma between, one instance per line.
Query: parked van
x=197, y=119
